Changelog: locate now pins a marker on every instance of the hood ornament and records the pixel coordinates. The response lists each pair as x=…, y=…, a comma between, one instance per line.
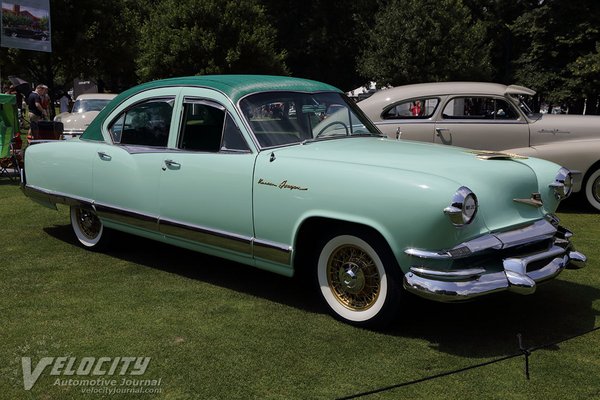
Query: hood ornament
x=495, y=155
x=535, y=200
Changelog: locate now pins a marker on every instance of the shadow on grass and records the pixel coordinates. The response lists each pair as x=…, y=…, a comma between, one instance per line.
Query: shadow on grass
x=205, y=268
x=576, y=204
x=487, y=327
x=13, y=179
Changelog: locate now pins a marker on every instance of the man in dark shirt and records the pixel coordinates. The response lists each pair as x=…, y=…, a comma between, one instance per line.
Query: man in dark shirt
x=36, y=111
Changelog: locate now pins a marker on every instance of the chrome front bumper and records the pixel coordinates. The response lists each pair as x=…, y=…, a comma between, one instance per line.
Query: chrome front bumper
x=514, y=260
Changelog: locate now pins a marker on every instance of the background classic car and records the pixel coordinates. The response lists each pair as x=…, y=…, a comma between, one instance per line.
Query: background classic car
x=85, y=109
x=253, y=169
x=490, y=116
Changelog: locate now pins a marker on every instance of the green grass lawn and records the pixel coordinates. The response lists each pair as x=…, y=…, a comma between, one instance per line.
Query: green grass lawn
x=220, y=330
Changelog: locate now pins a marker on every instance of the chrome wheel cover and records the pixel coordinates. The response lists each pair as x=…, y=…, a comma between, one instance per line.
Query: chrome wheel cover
x=89, y=224
x=353, y=278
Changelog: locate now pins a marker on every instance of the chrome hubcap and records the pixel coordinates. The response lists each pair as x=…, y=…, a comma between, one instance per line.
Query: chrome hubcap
x=89, y=224
x=353, y=278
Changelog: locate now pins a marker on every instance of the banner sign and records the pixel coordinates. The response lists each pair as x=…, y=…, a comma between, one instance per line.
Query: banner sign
x=26, y=25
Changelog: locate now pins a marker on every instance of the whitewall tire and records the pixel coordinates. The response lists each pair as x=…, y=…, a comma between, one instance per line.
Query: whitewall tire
x=592, y=189
x=87, y=227
x=354, y=280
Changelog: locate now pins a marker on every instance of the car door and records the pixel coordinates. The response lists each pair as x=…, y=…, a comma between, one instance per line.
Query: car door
x=206, y=183
x=126, y=171
x=481, y=122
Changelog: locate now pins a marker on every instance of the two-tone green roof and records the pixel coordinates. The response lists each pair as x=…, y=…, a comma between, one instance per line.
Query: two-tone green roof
x=233, y=86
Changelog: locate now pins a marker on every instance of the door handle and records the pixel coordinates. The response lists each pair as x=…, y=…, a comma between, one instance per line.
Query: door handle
x=171, y=165
x=398, y=133
x=104, y=156
x=439, y=131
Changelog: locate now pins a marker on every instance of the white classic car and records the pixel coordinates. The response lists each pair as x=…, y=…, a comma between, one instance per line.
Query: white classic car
x=489, y=116
x=85, y=109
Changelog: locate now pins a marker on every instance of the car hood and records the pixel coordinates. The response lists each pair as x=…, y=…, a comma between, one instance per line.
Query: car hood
x=496, y=179
x=77, y=121
x=551, y=128
x=452, y=163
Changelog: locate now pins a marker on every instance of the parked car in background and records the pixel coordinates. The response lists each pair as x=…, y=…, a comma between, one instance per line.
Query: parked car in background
x=246, y=168
x=26, y=32
x=85, y=109
x=492, y=117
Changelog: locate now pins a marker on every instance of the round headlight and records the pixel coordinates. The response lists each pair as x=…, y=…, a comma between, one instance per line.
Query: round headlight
x=563, y=184
x=463, y=208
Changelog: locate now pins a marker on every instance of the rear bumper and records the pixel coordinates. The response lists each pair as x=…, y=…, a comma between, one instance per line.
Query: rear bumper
x=515, y=260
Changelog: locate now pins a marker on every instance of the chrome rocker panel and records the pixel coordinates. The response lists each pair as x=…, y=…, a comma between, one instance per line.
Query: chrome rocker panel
x=520, y=272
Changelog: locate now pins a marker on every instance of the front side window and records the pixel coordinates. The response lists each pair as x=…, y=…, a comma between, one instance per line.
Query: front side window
x=145, y=124
x=414, y=108
x=487, y=108
x=208, y=127
x=282, y=118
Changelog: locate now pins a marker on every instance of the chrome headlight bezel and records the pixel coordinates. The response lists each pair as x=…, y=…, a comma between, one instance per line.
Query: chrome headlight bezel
x=563, y=184
x=463, y=207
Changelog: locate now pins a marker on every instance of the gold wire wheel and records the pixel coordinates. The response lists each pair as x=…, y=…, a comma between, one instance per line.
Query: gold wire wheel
x=89, y=223
x=353, y=277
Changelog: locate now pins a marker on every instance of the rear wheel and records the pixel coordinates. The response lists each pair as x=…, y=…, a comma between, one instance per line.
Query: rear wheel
x=592, y=189
x=357, y=277
x=87, y=227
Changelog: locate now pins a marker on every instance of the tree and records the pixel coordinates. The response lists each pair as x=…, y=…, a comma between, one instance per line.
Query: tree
x=415, y=41
x=189, y=37
x=90, y=39
x=557, y=51
x=322, y=38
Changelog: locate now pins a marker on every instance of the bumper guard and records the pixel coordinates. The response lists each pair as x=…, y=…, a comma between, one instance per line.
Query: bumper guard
x=520, y=272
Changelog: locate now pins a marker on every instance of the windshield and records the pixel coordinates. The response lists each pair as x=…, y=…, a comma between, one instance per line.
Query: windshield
x=85, y=105
x=282, y=118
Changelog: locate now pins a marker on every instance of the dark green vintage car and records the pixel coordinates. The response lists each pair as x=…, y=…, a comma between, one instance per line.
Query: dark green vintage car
x=288, y=175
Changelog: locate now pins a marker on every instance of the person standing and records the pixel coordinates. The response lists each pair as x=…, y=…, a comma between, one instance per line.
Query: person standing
x=36, y=110
x=64, y=101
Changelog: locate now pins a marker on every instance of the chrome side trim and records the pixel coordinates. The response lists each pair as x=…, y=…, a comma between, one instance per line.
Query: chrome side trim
x=262, y=249
x=275, y=252
x=50, y=196
x=207, y=236
x=127, y=217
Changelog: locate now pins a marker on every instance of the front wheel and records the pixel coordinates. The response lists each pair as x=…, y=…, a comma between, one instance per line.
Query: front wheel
x=357, y=278
x=87, y=227
x=592, y=189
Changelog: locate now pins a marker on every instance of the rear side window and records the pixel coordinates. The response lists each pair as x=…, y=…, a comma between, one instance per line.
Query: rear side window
x=414, y=108
x=479, y=108
x=145, y=124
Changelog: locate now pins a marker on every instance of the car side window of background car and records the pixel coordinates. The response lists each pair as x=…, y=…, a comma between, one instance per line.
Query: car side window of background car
x=144, y=124
x=414, y=108
x=475, y=107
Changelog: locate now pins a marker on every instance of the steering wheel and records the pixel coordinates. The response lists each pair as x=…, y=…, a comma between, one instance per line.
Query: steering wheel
x=331, y=124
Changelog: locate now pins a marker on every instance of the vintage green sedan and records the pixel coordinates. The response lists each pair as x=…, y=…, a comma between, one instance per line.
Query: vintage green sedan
x=288, y=175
